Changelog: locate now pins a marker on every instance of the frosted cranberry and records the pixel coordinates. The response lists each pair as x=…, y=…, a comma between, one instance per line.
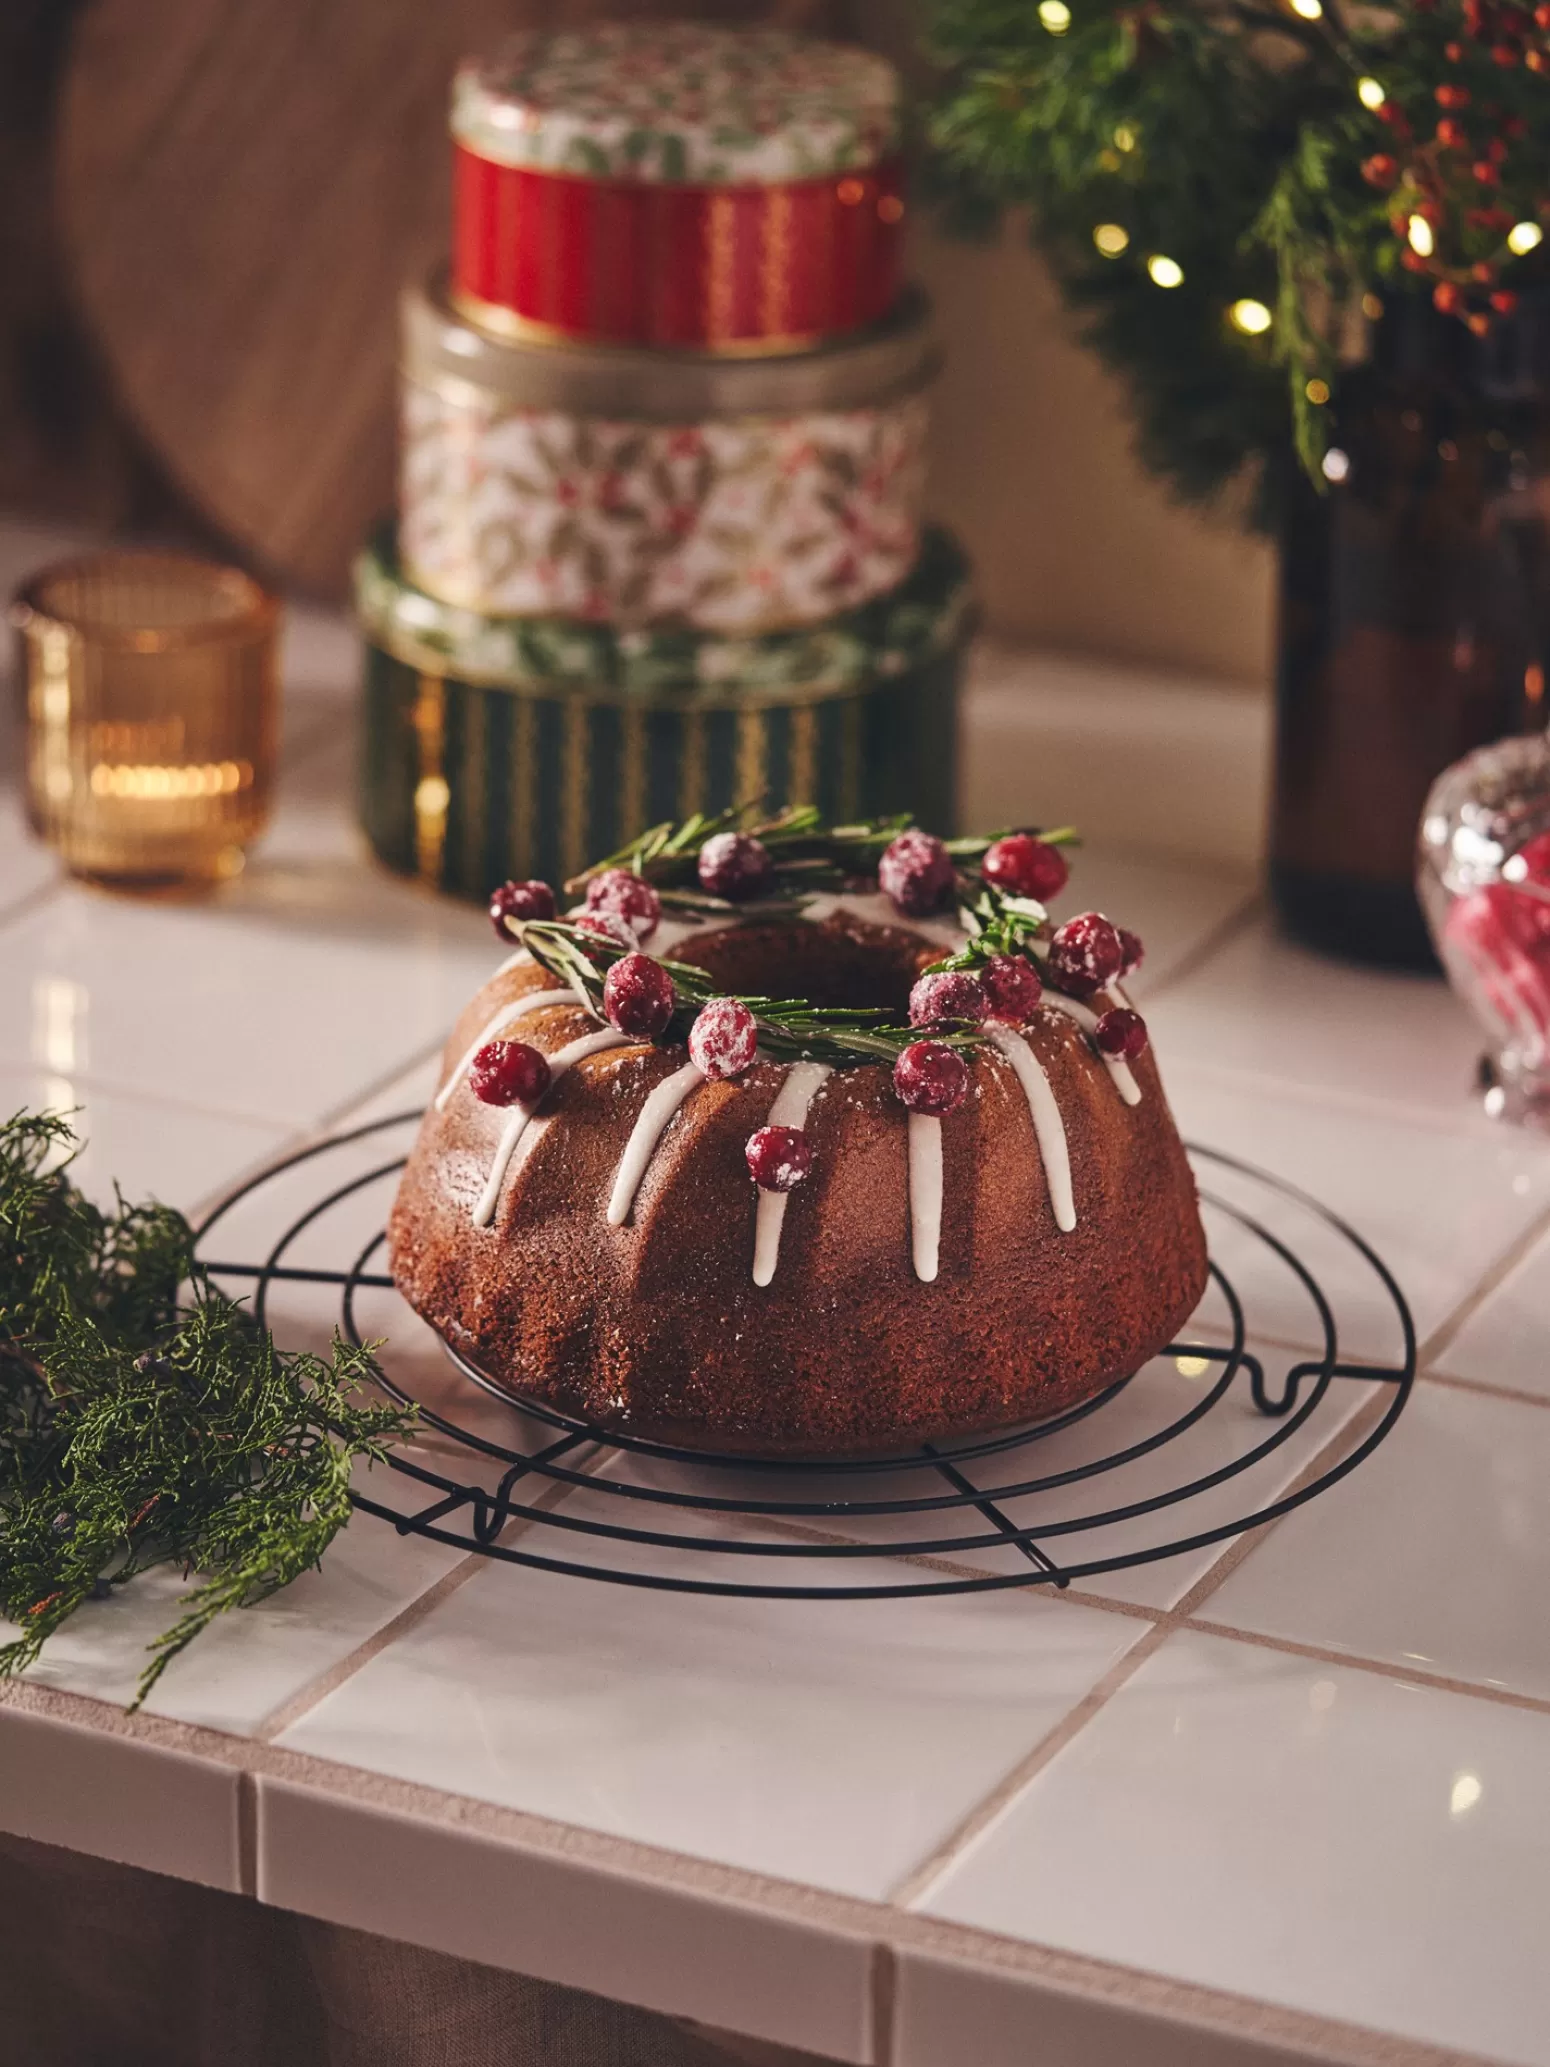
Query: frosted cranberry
x=509, y=1073
x=1132, y=953
x=723, y=1038
x=931, y=1078
x=607, y=926
x=950, y=997
x=735, y=866
x=530, y=900
x=1085, y=954
x=1023, y=866
x=1013, y=986
x=916, y=871
x=638, y=997
x=1121, y=1033
x=627, y=896
x=778, y=1158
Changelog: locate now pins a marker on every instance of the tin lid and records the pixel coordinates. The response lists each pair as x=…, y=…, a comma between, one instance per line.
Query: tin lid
x=685, y=103
x=917, y=622
x=438, y=348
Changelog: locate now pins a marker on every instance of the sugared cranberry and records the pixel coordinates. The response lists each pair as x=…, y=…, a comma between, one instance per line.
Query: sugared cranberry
x=1013, y=986
x=608, y=926
x=638, y=997
x=735, y=866
x=1085, y=954
x=1121, y=1033
x=1024, y=866
x=931, y=1078
x=1132, y=953
x=530, y=900
x=778, y=1158
x=916, y=871
x=627, y=896
x=509, y=1073
x=950, y=997
x=723, y=1038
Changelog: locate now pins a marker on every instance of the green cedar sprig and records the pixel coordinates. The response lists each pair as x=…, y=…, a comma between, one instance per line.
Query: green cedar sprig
x=147, y=1419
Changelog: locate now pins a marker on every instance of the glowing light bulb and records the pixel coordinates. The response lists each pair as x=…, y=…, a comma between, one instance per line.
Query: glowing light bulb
x=1309, y=10
x=1317, y=392
x=1191, y=1366
x=1336, y=464
x=1251, y=317
x=1370, y=93
x=1111, y=239
x=1419, y=233
x=1055, y=15
x=1165, y=272
x=1524, y=237
x=1124, y=138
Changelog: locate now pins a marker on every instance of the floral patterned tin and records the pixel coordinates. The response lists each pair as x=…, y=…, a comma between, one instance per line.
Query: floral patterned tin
x=677, y=184
x=641, y=488
x=497, y=747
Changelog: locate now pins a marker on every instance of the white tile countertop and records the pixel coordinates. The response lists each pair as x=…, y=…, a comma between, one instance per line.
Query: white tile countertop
x=1284, y=1797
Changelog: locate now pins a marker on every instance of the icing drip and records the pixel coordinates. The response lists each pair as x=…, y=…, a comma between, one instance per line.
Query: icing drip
x=1049, y=1129
x=874, y=909
x=925, y=1149
x=647, y=1132
x=559, y=1062
x=790, y=1109
x=519, y=1008
x=1087, y=1019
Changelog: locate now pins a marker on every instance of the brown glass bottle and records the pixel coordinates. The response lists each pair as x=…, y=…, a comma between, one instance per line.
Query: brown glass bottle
x=1414, y=613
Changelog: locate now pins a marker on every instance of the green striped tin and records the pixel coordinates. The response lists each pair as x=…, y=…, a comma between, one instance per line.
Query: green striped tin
x=499, y=747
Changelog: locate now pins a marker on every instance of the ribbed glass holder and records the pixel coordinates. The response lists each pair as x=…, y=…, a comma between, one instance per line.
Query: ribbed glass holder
x=151, y=687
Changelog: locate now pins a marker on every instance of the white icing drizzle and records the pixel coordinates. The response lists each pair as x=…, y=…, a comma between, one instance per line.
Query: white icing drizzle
x=1087, y=1019
x=1048, y=1127
x=790, y=1109
x=533, y=1001
x=646, y=1133
x=559, y=1062
x=513, y=962
x=925, y=1152
x=874, y=909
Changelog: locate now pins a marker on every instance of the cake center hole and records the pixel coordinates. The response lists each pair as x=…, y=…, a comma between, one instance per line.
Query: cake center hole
x=838, y=964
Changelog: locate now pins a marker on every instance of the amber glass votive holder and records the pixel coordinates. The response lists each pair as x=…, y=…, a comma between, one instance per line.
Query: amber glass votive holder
x=151, y=697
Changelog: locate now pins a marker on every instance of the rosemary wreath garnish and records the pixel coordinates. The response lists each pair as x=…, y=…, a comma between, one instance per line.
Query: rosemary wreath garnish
x=809, y=858
x=147, y=1419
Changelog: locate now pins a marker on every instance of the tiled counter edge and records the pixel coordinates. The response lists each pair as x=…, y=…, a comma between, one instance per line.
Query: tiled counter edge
x=850, y=1980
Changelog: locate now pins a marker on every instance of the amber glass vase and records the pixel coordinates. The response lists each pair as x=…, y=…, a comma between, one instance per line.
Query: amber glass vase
x=1414, y=613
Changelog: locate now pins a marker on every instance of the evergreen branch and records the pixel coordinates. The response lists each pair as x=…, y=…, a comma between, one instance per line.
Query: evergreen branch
x=137, y=1429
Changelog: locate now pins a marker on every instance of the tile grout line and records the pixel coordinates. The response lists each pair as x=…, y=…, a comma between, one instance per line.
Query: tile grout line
x=882, y=1983
x=913, y=1885
x=409, y=1617
x=917, y=1881
x=1485, y=1388
x=1491, y=1280
x=1411, y=1675
x=247, y=1834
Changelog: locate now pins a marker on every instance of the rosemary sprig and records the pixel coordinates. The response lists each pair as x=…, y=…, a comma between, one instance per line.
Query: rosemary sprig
x=790, y=1029
x=146, y=1418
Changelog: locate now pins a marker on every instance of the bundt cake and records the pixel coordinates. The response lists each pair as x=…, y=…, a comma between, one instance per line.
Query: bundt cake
x=802, y=1140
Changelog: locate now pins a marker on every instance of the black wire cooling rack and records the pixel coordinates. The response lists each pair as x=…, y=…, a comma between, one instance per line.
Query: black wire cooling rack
x=638, y=1513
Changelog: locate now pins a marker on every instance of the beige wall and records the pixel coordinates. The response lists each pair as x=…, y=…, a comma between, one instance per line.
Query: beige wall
x=1077, y=549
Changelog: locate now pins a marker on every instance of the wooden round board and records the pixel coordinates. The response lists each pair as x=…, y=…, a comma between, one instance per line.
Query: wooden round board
x=244, y=188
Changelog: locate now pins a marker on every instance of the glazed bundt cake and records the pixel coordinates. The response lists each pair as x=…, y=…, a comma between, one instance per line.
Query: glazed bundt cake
x=802, y=1140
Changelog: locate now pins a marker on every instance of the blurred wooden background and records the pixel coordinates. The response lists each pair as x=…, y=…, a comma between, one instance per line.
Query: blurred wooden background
x=205, y=208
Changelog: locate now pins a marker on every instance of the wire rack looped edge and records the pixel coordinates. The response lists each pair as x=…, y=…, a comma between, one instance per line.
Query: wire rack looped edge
x=464, y=1513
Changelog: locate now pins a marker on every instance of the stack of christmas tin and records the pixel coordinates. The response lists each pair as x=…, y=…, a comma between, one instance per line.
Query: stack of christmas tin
x=659, y=546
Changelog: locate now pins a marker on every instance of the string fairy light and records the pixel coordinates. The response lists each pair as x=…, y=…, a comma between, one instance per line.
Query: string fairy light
x=1165, y=272
x=1418, y=232
x=1055, y=16
x=1523, y=238
x=1250, y=316
x=1370, y=94
x=1111, y=238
